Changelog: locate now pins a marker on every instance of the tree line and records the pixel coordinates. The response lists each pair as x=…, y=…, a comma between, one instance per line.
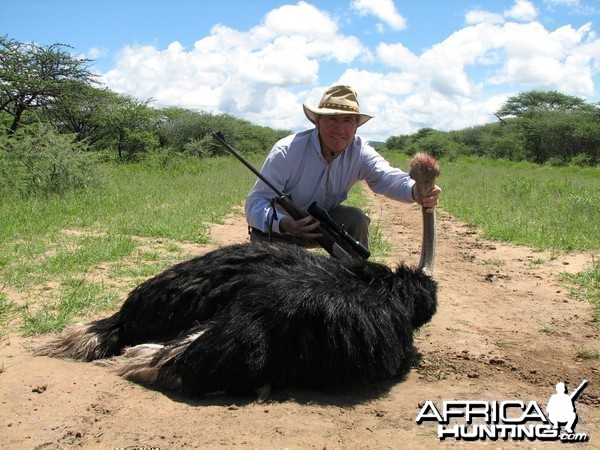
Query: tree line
x=54, y=114
x=544, y=127
x=47, y=84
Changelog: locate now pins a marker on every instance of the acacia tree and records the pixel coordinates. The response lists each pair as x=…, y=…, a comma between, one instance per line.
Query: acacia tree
x=130, y=125
x=554, y=126
x=87, y=112
x=34, y=77
x=527, y=103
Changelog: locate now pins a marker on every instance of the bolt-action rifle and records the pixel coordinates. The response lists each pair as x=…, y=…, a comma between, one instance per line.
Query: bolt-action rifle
x=335, y=239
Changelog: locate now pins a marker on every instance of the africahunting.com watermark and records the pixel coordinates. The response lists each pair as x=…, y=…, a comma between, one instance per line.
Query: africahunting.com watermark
x=472, y=420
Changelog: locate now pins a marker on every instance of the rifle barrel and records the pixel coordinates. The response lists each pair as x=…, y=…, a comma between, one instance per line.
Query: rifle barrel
x=219, y=137
x=577, y=391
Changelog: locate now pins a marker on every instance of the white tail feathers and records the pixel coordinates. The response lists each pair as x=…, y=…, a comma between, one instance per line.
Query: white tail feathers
x=145, y=363
x=77, y=342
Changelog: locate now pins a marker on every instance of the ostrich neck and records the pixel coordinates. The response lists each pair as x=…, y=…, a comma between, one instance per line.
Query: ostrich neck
x=428, y=242
x=424, y=169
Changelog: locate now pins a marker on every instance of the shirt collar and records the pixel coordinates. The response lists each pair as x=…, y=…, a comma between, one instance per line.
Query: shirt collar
x=316, y=144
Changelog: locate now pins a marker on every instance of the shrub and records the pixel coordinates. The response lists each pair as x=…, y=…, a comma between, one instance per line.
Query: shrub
x=508, y=146
x=581, y=160
x=438, y=144
x=38, y=160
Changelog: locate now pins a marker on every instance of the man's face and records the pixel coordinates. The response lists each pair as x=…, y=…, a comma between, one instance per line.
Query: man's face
x=336, y=132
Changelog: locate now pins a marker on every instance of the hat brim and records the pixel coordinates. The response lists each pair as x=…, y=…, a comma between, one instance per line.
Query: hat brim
x=312, y=114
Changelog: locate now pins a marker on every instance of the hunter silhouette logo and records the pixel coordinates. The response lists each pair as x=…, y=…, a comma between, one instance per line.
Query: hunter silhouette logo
x=561, y=407
x=509, y=419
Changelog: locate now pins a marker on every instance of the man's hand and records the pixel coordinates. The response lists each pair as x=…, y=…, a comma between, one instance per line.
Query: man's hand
x=430, y=200
x=300, y=228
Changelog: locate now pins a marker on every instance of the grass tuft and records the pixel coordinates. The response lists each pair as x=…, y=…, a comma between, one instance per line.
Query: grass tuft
x=77, y=299
x=585, y=286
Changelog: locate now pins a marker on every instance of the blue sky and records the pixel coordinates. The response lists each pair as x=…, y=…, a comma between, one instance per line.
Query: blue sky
x=441, y=64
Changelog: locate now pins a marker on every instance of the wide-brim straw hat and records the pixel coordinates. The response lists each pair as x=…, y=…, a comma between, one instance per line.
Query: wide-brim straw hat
x=337, y=100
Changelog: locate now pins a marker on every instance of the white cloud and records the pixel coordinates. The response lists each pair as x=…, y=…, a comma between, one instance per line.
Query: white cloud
x=264, y=74
x=476, y=16
x=523, y=10
x=96, y=52
x=237, y=71
x=384, y=10
x=560, y=60
x=443, y=67
x=574, y=6
x=436, y=88
x=301, y=19
x=397, y=55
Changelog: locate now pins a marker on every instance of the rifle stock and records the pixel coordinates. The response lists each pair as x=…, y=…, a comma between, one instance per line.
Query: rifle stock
x=335, y=240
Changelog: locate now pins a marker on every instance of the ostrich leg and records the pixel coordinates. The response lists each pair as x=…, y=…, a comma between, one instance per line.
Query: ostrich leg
x=424, y=169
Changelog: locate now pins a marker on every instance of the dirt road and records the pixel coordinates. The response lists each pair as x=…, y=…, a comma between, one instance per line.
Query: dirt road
x=505, y=330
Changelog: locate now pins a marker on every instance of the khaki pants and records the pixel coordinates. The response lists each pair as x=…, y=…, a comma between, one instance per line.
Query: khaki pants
x=355, y=222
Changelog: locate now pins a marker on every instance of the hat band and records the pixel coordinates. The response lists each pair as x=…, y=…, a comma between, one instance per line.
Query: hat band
x=338, y=106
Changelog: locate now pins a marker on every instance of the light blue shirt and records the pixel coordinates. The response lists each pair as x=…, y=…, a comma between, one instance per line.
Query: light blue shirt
x=296, y=167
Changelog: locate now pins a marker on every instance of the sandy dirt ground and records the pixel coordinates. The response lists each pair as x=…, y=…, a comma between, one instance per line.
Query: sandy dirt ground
x=506, y=329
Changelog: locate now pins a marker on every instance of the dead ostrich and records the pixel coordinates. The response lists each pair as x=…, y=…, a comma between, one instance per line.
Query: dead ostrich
x=249, y=317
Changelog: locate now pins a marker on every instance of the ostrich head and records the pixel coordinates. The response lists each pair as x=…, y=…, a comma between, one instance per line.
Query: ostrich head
x=424, y=169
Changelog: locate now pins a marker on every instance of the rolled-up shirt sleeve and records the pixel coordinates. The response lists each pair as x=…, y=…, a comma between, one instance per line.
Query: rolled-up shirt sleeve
x=296, y=167
x=259, y=203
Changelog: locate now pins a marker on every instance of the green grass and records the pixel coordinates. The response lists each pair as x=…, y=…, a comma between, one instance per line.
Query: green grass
x=377, y=244
x=135, y=199
x=7, y=309
x=539, y=206
x=63, y=256
x=66, y=258
x=52, y=249
x=586, y=353
x=543, y=207
x=75, y=296
x=586, y=286
x=76, y=255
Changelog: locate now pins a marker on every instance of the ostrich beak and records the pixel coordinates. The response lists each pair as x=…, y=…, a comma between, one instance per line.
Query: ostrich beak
x=424, y=169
